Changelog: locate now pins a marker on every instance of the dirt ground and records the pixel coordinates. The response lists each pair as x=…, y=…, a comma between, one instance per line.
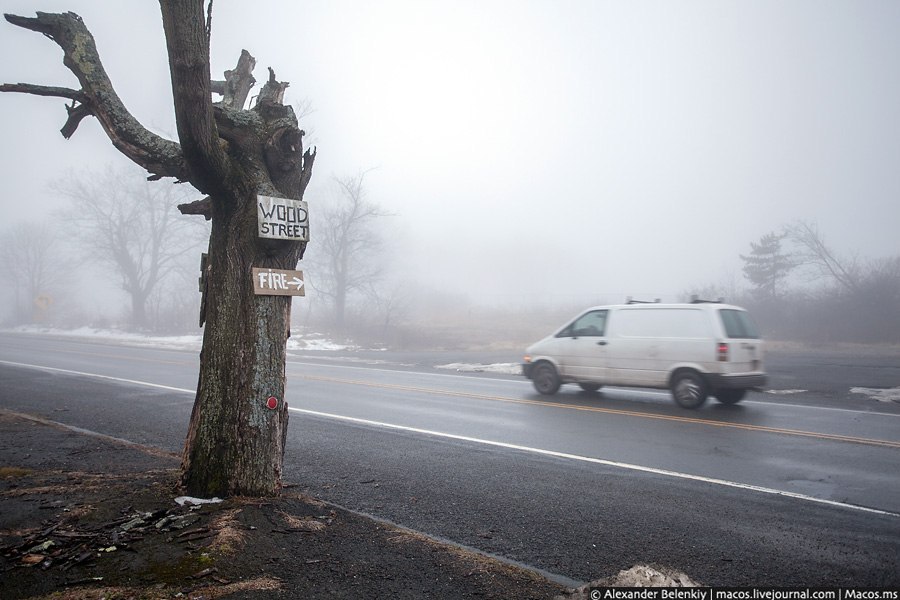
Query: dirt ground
x=83, y=517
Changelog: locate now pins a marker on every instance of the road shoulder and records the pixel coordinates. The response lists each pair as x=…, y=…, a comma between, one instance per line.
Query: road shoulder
x=83, y=515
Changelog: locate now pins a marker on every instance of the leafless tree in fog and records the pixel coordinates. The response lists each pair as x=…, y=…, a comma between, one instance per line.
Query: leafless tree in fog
x=33, y=269
x=348, y=250
x=846, y=299
x=131, y=227
x=846, y=272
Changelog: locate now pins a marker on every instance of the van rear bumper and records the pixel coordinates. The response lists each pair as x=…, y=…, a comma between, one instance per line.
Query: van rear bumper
x=750, y=381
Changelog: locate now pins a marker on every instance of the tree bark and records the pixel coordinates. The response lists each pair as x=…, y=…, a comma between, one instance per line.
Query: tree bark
x=236, y=438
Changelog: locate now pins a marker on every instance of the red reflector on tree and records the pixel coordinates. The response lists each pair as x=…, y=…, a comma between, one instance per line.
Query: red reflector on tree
x=272, y=403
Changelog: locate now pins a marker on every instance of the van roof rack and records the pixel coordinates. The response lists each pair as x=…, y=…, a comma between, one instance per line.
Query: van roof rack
x=698, y=300
x=630, y=300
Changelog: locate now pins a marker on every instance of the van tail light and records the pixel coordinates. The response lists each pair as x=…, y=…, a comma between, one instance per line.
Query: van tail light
x=722, y=352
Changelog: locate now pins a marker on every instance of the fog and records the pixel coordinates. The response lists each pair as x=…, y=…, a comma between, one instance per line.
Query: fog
x=532, y=151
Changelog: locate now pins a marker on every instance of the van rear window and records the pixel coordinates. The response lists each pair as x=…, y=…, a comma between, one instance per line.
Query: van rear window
x=738, y=324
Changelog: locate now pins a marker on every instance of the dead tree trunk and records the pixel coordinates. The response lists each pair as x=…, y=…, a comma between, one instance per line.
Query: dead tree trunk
x=236, y=438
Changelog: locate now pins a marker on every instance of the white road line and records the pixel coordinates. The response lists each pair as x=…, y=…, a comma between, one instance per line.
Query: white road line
x=97, y=376
x=543, y=452
x=599, y=461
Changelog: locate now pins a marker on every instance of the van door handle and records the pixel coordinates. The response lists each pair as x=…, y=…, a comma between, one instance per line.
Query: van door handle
x=601, y=343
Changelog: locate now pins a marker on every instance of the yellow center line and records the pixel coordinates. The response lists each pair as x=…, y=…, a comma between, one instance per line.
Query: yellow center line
x=612, y=411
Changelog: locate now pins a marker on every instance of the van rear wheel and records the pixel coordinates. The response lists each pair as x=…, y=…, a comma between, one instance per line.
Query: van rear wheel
x=730, y=396
x=545, y=379
x=689, y=389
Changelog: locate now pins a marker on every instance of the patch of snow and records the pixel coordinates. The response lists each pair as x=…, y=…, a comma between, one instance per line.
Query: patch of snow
x=504, y=368
x=785, y=392
x=880, y=394
x=317, y=343
x=179, y=342
x=182, y=500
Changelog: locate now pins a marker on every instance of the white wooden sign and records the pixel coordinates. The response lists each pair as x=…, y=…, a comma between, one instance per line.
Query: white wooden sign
x=283, y=219
x=278, y=282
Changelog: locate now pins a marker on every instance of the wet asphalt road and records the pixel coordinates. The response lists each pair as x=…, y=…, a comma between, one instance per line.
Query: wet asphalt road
x=578, y=485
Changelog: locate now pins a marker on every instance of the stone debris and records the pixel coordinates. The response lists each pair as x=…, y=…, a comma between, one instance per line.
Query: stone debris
x=64, y=544
x=636, y=576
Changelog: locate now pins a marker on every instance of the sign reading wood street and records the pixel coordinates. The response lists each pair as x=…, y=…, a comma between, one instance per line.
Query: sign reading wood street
x=282, y=218
x=277, y=282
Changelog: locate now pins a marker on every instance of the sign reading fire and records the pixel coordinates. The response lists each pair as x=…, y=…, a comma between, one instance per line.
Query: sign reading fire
x=278, y=282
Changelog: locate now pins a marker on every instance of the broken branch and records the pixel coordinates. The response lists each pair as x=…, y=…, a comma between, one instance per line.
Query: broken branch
x=76, y=114
x=198, y=207
x=97, y=96
x=45, y=90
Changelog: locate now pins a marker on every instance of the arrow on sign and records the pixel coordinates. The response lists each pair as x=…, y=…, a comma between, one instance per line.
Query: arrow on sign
x=277, y=282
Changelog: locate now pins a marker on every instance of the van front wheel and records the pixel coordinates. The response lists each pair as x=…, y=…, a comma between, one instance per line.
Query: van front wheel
x=545, y=379
x=689, y=389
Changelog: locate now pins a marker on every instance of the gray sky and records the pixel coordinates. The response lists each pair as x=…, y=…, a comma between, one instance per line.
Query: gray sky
x=534, y=149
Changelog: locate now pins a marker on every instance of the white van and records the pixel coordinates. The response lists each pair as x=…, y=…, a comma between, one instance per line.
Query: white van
x=695, y=350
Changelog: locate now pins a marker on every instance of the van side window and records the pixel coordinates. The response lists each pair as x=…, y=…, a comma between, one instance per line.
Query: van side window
x=738, y=324
x=652, y=322
x=590, y=324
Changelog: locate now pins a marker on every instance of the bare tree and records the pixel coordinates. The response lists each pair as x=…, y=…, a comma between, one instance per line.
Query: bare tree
x=393, y=302
x=35, y=271
x=847, y=273
x=348, y=246
x=853, y=299
x=236, y=437
x=130, y=226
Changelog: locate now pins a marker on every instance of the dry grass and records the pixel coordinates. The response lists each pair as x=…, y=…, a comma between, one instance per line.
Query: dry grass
x=86, y=481
x=310, y=524
x=14, y=472
x=230, y=536
x=842, y=348
x=476, y=562
x=211, y=592
x=304, y=498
